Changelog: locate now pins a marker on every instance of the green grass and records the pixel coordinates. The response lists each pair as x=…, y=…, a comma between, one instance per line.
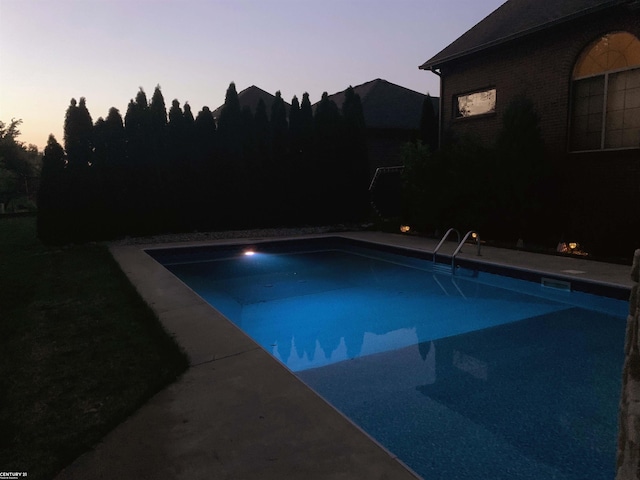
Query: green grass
x=79, y=350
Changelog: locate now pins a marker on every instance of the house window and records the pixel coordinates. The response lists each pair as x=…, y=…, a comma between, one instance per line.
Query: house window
x=475, y=103
x=606, y=95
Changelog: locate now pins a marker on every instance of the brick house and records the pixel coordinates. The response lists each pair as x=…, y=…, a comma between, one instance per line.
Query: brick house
x=578, y=61
x=392, y=116
x=249, y=97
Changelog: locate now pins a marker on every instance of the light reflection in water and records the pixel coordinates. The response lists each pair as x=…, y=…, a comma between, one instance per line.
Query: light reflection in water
x=301, y=359
x=317, y=308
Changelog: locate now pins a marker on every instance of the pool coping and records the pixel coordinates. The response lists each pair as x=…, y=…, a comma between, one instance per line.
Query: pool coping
x=237, y=412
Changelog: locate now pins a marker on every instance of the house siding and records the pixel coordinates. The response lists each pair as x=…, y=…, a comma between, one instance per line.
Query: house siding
x=538, y=66
x=597, y=186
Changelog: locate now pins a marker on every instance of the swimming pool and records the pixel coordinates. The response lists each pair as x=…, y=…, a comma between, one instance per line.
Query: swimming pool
x=472, y=376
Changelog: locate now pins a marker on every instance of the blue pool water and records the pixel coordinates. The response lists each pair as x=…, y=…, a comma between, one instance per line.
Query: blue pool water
x=462, y=377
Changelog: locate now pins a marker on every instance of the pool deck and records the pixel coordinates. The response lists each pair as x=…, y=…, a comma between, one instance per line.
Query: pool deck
x=237, y=413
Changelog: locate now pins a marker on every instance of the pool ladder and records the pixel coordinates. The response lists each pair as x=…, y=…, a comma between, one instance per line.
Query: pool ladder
x=470, y=233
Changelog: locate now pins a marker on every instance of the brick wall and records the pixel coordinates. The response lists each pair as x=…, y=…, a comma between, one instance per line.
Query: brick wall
x=628, y=458
x=540, y=67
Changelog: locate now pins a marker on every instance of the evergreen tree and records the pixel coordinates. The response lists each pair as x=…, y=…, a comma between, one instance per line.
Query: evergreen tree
x=204, y=129
x=295, y=126
x=425, y=181
x=53, y=218
x=277, y=171
x=78, y=128
x=248, y=133
x=429, y=129
x=279, y=127
x=258, y=183
x=329, y=160
x=101, y=180
x=229, y=126
x=99, y=143
x=160, y=171
x=356, y=165
x=465, y=169
x=114, y=173
x=297, y=179
x=520, y=172
x=189, y=131
x=178, y=167
x=78, y=132
x=158, y=110
x=137, y=129
x=250, y=213
x=176, y=141
x=137, y=123
x=262, y=130
x=306, y=123
x=158, y=126
x=188, y=116
x=53, y=161
x=209, y=180
x=327, y=121
x=115, y=138
x=229, y=165
x=306, y=173
x=130, y=121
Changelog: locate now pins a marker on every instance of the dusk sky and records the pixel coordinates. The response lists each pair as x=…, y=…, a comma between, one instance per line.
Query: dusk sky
x=104, y=50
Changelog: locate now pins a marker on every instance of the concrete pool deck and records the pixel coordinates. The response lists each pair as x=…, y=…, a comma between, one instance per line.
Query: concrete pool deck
x=237, y=413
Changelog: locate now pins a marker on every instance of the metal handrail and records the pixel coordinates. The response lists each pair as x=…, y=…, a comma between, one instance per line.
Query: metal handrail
x=435, y=252
x=380, y=170
x=467, y=235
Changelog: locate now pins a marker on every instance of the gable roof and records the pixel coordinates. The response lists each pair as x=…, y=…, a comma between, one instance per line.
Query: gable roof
x=387, y=105
x=249, y=97
x=515, y=19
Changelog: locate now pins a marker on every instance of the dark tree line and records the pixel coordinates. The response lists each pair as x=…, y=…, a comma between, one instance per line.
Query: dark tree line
x=19, y=169
x=157, y=171
x=506, y=190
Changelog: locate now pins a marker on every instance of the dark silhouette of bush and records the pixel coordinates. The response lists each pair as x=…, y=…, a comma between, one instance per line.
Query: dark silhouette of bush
x=505, y=190
x=429, y=124
x=53, y=224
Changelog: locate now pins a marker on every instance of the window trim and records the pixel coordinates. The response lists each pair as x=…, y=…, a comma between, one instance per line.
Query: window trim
x=604, y=111
x=605, y=74
x=456, y=96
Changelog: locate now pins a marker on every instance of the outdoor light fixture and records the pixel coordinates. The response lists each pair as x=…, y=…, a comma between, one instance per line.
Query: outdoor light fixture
x=572, y=248
x=405, y=228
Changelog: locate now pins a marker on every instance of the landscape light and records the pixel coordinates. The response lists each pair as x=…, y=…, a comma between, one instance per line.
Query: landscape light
x=405, y=228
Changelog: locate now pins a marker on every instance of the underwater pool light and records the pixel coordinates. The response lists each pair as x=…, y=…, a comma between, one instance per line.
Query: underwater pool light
x=249, y=253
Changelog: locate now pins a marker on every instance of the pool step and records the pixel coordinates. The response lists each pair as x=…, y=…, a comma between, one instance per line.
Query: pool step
x=442, y=268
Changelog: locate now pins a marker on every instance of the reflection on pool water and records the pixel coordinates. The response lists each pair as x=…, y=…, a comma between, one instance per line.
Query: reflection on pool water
x=466, y=376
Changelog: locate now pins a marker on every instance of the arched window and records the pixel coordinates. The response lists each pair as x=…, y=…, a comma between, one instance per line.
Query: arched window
x=606, y=95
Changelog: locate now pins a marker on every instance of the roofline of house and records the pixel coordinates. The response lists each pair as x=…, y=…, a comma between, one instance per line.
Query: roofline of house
x=434, y=65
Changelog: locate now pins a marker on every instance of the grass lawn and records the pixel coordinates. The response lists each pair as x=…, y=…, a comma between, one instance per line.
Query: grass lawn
x=79, y=350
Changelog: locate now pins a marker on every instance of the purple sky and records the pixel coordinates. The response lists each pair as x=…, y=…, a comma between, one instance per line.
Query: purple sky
x=55, y=50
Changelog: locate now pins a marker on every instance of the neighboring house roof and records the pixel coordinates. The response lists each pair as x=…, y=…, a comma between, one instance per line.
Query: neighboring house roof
x=250, y=97
x=387, y=105
x=515, y=19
